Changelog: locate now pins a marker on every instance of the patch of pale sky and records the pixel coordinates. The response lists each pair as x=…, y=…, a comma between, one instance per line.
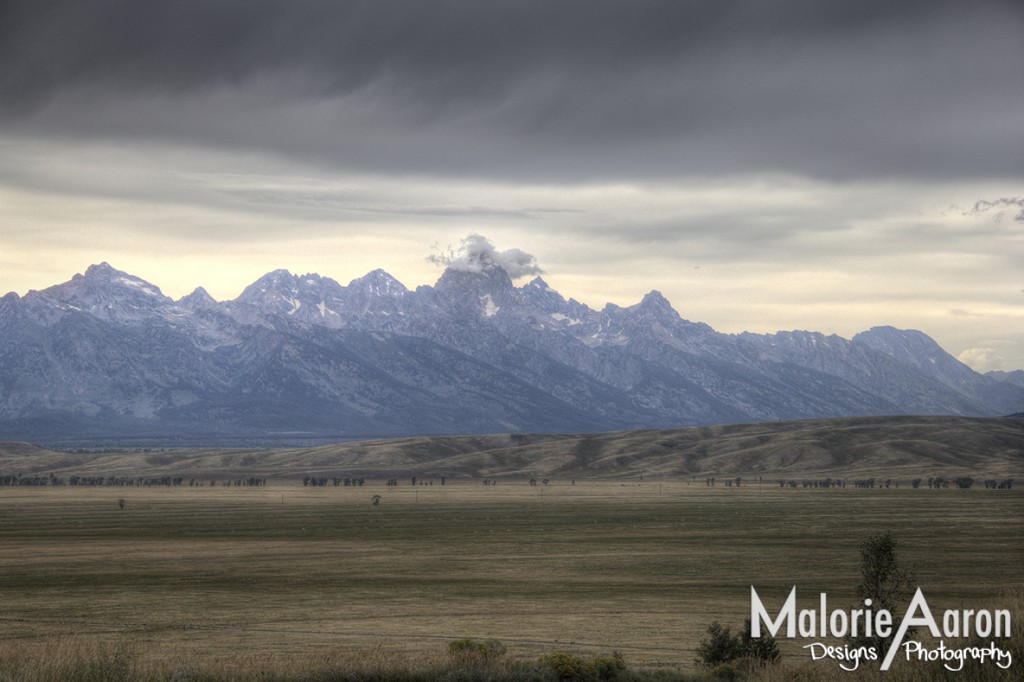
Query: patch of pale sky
x=758, y=253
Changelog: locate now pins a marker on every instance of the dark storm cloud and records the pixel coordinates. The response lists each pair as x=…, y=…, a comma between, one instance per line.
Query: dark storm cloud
x=534, y=90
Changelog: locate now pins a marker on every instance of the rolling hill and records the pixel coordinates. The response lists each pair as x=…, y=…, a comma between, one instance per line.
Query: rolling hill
x=841, y=447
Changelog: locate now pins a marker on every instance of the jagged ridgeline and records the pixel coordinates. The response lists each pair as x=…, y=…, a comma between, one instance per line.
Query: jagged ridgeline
x=107, y=358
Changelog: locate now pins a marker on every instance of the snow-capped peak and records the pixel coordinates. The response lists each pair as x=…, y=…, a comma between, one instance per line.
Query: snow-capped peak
x=380, y=283
x=199, y=298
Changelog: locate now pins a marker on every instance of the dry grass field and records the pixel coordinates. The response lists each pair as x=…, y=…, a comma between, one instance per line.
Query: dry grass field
x=284, y=577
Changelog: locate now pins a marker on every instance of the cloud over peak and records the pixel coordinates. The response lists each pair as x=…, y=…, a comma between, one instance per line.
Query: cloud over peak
x=476, y=253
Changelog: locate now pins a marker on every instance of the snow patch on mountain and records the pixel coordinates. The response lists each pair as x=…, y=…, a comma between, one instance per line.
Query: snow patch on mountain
x=107, y=353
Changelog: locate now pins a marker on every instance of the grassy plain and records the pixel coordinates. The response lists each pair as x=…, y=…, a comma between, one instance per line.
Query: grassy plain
x=257, y=577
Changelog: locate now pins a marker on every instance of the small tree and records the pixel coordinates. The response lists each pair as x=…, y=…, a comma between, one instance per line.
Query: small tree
x=761, y=649
x=721, y=646
x=883, y=580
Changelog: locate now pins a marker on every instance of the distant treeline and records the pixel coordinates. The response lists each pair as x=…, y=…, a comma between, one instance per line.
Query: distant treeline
x=320, y=482
x=963, y=482
x=123, y=481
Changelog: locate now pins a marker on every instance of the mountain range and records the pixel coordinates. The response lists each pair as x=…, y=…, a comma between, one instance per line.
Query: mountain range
x=108, y=358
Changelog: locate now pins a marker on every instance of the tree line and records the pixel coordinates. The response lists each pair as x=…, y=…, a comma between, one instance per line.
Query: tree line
x=935, y=483
x=323, y=481
x=50, y=480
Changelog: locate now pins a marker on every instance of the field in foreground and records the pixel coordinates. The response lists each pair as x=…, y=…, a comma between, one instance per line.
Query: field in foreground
x=291, y=578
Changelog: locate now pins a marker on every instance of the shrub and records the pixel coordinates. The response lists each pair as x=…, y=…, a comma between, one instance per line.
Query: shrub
x=761, y=649
x=721, y=646
x=725, y=671
x=569, y=668
x=609, y=667
x=472, y=652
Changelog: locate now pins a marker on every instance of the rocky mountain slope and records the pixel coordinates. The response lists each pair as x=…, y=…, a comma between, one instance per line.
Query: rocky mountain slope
x=106, y=357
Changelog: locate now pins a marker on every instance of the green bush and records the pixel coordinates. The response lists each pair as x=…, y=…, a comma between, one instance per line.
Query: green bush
x=721, y=646
x=569, y=668
x=725, y=671
x=761, y=649
x=609, y=667
x=470, y=651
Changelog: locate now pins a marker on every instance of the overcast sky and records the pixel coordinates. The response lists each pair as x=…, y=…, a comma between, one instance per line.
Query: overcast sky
x=792, y=164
